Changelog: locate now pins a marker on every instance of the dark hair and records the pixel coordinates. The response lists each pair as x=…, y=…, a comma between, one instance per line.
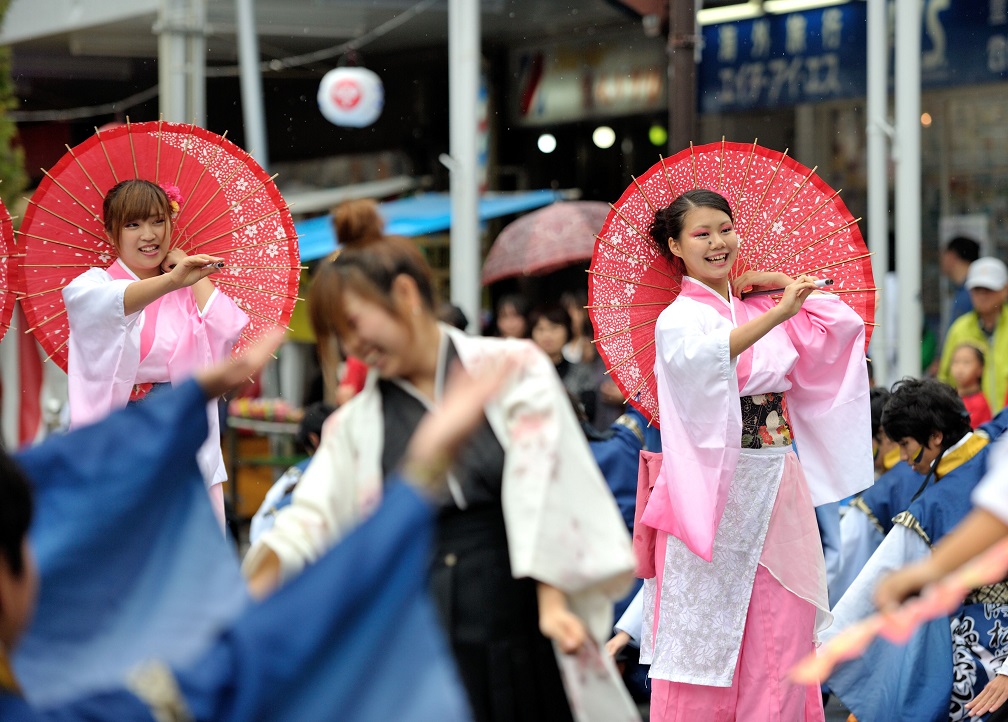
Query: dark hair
x=966, y=248
x=553, y=313
x=579, y=299
x=919, y=407
x=877, y=397
x=453, y=315
x=978, y=352
x=311, y=423
x=370, y=273
x=358, y=223
x=668, y=222
x=15, y=512
x=516, y=301
x=132, y=200
x=519, y=304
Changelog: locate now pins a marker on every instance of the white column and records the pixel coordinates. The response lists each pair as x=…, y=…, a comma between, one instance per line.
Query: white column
x=463, y=91
x=877, y=223
x=181, y=30
x=196, y=61
x=10, y=375
x=908, y=184
x=253, y=114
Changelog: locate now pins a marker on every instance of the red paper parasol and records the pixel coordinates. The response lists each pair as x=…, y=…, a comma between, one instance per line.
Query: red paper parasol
x=786, y=217
x=545, y=240
x=8, y=269
x=231, y=209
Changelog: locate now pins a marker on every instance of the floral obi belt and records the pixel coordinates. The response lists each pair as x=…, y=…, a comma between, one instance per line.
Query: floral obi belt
x=763, y=422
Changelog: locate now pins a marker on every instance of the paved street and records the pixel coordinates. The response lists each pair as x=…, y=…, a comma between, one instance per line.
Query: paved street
x=834, y=711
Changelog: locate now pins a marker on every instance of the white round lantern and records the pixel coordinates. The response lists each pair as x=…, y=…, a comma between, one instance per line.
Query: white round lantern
x=351, y=97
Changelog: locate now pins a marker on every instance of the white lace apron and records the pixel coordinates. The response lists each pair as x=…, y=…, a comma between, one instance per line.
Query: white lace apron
x=704, y=604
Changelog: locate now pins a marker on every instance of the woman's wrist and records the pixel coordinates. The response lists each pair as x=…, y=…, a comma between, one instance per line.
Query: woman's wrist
x=427, y=474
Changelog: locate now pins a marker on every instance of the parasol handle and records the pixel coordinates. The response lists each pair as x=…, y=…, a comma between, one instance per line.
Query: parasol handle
x=819, y=283
x=217, y=265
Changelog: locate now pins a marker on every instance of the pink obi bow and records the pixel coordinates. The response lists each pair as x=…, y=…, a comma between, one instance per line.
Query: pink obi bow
x=644, y=536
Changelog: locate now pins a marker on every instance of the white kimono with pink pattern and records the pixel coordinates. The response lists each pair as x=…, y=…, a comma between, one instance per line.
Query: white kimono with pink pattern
x=109, y=351
x=727, y=509
x=563, y=525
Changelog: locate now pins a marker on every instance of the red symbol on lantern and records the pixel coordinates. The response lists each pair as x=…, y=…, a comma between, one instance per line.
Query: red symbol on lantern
x=345, y=94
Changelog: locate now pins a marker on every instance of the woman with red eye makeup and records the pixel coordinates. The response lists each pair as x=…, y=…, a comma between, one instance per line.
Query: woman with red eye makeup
x=739, y=587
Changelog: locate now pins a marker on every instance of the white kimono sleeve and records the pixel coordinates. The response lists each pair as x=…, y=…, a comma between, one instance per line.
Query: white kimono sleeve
x=859, y=538
x=899, y=548
x=632, y=620
x=991, y=494
x=103, y=347
x=336, y=491
x=563, y=525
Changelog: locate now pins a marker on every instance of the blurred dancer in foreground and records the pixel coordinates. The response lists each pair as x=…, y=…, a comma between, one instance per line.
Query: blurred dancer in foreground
x=261, y=667
x=530, y=546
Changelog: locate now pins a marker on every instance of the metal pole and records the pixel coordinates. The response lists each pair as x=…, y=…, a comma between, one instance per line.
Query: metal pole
x=463, y=91
x=253, y=115
x=681, y=74
x=878, y=181
x=908, y=184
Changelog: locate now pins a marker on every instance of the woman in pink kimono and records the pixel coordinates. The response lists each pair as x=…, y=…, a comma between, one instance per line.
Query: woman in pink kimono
x=151, y=317
x=740, y=587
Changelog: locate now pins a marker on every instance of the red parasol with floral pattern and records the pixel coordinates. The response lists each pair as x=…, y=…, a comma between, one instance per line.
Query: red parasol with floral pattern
x=8, y=269
x=786, y=217
x=229, y=207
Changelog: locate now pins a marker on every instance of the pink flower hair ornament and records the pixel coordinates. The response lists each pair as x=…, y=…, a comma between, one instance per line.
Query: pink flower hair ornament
x=175, y=198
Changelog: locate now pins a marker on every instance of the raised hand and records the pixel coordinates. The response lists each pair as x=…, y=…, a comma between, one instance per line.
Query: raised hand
x=233, y=372
x=759, y=279
x=894, y=588
x=186, y=270
x=795, y=294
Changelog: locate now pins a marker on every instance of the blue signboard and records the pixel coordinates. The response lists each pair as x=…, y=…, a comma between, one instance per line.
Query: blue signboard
x=819, y=55
x=965, y=42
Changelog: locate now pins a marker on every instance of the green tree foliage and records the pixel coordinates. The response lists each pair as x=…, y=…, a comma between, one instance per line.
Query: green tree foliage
x=12, y=171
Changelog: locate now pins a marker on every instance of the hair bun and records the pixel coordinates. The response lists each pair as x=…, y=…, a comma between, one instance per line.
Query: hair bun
x=358, y=223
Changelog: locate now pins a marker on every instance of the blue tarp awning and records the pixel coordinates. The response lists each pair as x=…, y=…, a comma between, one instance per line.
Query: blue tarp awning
x=418, y=215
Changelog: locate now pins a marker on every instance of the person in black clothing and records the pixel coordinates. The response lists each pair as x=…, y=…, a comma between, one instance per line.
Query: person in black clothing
x=551, y=330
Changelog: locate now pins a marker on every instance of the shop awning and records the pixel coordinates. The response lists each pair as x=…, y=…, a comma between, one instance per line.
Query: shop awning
x=419, y=215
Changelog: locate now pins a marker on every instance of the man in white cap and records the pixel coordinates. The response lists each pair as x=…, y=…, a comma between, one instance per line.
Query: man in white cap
x=986, y=325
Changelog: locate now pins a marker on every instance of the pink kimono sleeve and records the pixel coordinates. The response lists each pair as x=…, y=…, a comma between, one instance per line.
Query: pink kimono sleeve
x=223, y=323
x=828, y=401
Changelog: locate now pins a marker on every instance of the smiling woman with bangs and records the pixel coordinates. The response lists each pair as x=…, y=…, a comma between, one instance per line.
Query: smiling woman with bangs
x=150, y=318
